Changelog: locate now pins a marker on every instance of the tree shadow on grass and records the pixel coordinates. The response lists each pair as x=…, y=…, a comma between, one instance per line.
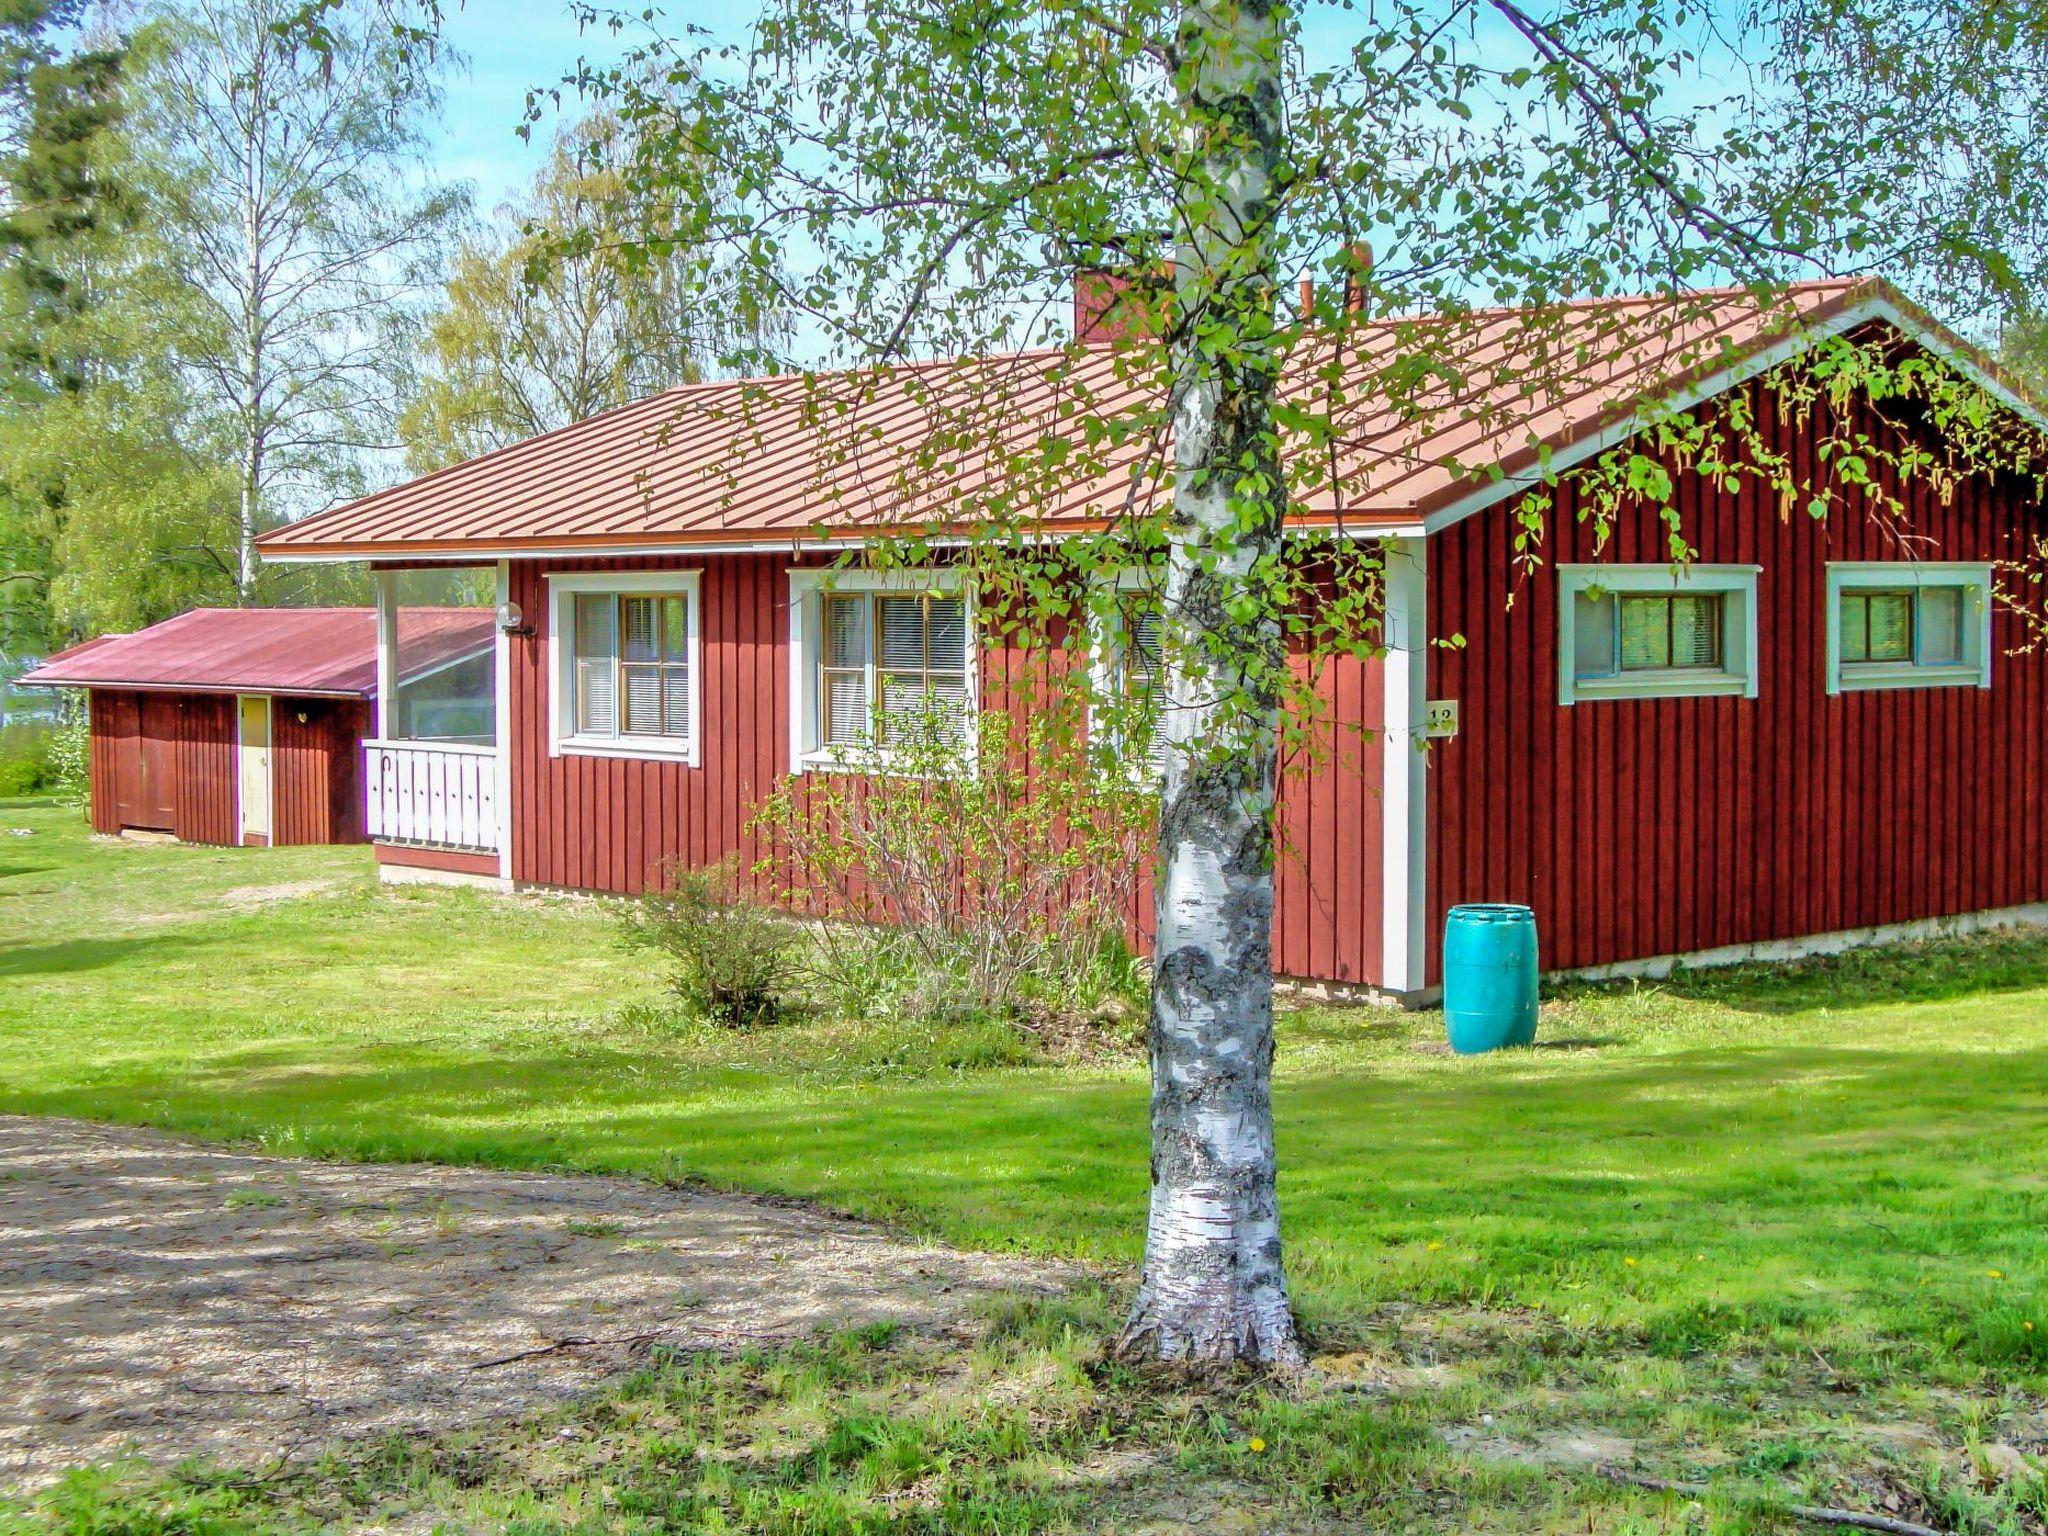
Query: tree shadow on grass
x=1784, y=1141
x=87, y=954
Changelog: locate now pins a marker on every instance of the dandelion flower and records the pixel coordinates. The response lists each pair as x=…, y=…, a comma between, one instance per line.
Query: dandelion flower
x=1996, y=1274
x=1631, y=1263
x=1434, y=1247
x=1257, y=1444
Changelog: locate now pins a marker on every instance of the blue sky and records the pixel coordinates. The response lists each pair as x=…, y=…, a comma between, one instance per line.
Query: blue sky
x=511, y=47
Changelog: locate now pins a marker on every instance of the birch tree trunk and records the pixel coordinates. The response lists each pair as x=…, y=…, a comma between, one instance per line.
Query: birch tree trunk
x=1214, y=1291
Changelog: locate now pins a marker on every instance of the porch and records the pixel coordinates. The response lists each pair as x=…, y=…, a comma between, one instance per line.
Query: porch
x=434, y=772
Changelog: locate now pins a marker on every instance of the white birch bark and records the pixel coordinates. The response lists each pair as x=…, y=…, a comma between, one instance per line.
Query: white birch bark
x=1214, y=1291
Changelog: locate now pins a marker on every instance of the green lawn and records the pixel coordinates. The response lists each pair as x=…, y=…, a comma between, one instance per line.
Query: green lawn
x=1746, y=1189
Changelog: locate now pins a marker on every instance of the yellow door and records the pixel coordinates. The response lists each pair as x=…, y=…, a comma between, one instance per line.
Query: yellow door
x=254, y=752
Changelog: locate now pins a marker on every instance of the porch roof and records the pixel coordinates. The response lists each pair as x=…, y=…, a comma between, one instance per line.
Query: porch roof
x=330, y=652
x=849, y=456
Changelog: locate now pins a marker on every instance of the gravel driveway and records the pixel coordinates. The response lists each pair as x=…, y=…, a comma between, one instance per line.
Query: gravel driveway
x=170, y=1298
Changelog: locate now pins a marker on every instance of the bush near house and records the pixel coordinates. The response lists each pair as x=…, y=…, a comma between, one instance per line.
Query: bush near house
x=730, y=960
x=990, y=873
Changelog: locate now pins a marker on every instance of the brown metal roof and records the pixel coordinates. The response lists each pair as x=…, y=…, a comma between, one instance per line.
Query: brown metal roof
x=786, y=460
x=325, y=651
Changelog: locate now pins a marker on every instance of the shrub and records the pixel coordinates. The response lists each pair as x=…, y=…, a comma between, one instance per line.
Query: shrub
x=70, y=772
x=731, y=960
x=992, y=870
x=25, y=759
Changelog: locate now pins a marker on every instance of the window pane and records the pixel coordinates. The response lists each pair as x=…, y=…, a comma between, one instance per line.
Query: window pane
x=595, y=666
x=1645, y=632
x=675, y=629
x=636, y=619
x=948, y=616
x=1855, y=627
x=907, y=696
x=675, y=700
x=845, y=700
x=1592, y=636
x=846, y=632
x=1696, y=631
x=643, y=700
x=948, y=696
x=1890, y=626
x=1941, y=627
x=901, y=620
x=1141, y=643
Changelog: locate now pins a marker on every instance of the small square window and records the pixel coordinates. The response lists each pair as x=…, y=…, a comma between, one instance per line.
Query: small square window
x=1906, y=625
x=1652, y=632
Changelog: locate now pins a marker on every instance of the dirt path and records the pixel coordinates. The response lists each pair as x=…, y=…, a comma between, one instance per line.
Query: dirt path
x=173, y=1298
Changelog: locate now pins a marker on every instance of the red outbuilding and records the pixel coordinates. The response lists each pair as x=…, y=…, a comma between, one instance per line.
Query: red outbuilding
x=247, y=725
x=1814, y=733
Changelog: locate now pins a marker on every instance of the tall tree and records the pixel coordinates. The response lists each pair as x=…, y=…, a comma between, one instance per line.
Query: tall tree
x=58, y=99
x=940, y=166
x=287, y=193
x=533, y=334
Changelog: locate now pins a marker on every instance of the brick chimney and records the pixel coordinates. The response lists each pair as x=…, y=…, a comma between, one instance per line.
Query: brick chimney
x=1109, y=306
x=1357, y=274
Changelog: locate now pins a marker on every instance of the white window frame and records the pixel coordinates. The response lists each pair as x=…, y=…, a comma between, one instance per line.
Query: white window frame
x=563, y=589
x=1105, y=641
x=1971, y=578
x=1737, y=675
x=808, y=588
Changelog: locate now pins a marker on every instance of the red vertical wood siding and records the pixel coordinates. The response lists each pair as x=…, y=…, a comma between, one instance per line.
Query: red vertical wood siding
x=1643, y=827
x=316, y=769
x=167, y=762
x=607, y=824
x=163, y=761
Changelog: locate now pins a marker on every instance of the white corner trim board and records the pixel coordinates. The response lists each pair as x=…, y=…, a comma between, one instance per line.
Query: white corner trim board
x=563, y=589
x=501, y=709
x=1404, y=767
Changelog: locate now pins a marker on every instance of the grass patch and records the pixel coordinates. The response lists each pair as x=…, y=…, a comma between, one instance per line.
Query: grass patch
x=1777, y=1227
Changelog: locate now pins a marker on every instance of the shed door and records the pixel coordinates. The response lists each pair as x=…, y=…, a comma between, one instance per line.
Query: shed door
x=253, y=751
x=145, y=741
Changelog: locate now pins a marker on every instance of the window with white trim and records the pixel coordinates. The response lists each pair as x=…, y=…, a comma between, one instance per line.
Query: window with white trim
x=873, y=655
x=1656, y=631
x=1908, y=624
x=625, y=670
x=1128, y=717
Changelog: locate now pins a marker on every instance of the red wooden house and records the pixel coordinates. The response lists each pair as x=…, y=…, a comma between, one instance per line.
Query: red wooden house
x=246, y=725
x=1812, y=735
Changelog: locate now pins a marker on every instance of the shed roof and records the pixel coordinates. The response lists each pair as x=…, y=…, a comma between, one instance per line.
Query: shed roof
x=325, y=651
x=778, y=462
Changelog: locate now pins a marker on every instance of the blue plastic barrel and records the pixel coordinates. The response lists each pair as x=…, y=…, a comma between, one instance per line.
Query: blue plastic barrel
x=1489, y=977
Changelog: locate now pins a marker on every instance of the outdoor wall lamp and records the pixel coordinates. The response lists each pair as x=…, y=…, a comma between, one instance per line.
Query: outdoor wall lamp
x=512, y=621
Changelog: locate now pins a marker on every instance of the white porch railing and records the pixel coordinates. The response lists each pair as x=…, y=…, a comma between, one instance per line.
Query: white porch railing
x=440, y=794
